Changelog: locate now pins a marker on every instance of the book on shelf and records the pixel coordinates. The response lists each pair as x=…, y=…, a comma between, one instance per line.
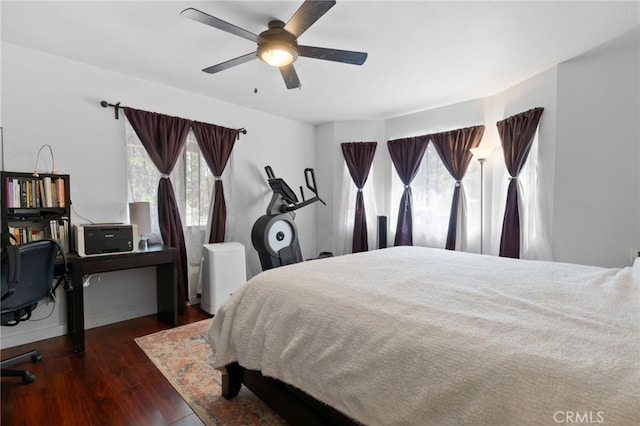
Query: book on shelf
x=35, y=208
x=60, y=187
x=35, y=193
x=48, y=200
x=57, y=230
x=25, y=234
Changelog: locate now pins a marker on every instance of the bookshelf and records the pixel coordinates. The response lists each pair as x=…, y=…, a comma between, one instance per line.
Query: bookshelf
x=36, y=207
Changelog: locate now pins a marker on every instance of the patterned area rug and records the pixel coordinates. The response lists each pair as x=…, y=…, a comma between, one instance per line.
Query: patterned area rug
x=184, y=357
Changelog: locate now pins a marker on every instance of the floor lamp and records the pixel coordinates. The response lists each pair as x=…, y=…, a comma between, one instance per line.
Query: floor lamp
x=481, y=154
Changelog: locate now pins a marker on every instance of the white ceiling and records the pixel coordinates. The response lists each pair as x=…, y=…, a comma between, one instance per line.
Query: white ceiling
x=422, y=54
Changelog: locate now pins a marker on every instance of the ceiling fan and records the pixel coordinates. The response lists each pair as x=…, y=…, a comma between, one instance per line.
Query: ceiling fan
x=278, y=45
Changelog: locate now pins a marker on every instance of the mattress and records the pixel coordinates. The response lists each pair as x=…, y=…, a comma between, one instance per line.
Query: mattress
x=413, y=335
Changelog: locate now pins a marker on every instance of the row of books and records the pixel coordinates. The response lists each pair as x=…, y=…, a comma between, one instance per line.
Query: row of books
x=35, y=192
x=54, y=230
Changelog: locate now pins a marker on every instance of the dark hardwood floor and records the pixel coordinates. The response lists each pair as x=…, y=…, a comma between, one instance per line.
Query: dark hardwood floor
x=111, y=383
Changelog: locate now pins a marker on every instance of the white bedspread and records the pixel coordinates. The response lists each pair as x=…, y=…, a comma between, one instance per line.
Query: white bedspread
x=417, y=336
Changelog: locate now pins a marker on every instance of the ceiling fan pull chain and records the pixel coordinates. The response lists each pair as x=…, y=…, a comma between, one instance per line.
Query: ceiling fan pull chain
x=255, y=78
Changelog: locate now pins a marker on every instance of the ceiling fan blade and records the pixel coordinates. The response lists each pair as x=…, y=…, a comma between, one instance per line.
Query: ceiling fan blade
x=214, y=22
x=336, y=55
x=308, y=13
x=230, y=63
x=290, y=76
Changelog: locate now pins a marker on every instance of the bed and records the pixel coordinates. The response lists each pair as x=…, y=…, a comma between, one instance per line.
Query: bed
x=415, y=336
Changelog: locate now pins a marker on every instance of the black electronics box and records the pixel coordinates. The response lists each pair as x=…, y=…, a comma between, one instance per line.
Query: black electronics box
x=105, y=238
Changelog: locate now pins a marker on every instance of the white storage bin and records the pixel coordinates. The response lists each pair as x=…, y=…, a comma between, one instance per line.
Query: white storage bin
x=223, y=272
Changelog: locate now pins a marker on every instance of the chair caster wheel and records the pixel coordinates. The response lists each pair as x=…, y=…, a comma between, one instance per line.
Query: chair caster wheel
x=28, y=377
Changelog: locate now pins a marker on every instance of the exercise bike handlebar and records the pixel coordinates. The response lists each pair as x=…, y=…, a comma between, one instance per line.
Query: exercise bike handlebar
x=269, y=171
x=285, y=197
x=309, y=174
x=310, y=180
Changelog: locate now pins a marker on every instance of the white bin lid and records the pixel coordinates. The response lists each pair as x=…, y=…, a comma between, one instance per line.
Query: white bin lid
x=226, y=246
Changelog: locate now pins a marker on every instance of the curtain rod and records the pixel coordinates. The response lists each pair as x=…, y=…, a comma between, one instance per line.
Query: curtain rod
x=117, y=107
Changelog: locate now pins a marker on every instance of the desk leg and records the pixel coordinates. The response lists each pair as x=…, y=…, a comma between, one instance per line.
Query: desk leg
x=75, y=312
x=167, y=293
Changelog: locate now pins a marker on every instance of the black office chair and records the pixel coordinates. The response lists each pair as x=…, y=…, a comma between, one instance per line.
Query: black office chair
x=27, y=277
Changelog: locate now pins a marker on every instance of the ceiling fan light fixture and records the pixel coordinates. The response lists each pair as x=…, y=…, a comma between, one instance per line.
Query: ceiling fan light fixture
x=278, y=44
x=277, y=54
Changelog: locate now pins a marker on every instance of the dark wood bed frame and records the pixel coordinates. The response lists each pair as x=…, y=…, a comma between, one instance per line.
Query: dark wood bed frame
x=292, y=404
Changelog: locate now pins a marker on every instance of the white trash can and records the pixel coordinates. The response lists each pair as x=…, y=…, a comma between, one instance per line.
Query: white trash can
x=223, y=272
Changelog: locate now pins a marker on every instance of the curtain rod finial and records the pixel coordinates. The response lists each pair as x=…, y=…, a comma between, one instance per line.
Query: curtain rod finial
x=116, y=107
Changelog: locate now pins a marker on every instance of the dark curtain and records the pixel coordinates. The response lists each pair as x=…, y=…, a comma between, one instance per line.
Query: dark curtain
x=359, y=157
x=453, y=148
x=516, y=134
x=216, y=143
x=406, y=155
x=163, y=138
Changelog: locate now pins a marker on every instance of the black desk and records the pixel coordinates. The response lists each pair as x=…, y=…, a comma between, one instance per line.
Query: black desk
x=164, y=259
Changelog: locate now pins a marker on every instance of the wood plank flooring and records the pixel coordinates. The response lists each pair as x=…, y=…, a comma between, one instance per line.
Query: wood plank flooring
x=111, y=383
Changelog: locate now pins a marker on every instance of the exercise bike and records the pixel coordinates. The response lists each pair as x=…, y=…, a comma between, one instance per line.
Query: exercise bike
x=275, y=235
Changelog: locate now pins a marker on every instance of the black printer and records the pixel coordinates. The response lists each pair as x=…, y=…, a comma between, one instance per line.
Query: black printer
x=105, y=238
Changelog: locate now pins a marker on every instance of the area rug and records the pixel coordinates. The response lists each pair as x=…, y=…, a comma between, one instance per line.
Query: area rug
x=184, y=356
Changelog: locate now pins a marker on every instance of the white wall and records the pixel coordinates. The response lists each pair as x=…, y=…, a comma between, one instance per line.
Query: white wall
x=326, y=179
x=598, y=145
x=48, y=99
x=331, y=169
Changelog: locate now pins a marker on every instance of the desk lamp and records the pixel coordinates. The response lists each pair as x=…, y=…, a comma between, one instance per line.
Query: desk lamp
x=140, y=214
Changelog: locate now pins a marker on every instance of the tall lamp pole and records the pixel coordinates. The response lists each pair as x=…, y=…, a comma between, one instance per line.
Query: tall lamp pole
x=481, y=153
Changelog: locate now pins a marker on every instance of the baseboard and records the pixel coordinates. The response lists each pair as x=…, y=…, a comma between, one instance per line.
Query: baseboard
x=33, y=336
x=119, y=316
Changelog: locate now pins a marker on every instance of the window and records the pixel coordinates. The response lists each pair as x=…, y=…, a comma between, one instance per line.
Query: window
x=432, y=193
x=191, y=178
x=193, y=184
x=348, y=212
x=534, y=241
x=142, y=175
